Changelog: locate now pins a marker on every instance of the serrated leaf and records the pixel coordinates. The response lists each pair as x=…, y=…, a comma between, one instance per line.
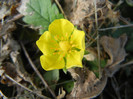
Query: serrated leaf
x=41, y=13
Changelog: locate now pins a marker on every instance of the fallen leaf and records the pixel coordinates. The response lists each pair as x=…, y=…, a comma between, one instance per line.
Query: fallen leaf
x=10, y=50
x=62, y=94
x=115, y=49
x=89, y=57
x=8, y=7
x=10, y=70
x=77, y=10
x=92, y=55
x=22, y=8
x=87, y=85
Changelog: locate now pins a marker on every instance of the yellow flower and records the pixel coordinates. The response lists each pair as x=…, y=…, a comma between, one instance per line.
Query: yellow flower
x=62, y=46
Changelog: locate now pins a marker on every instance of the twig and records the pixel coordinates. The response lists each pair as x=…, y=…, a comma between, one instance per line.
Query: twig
x=56, y=1
x=126, y=64
x=116, y=27
x=16, y=17
x=98, y=46
x=10, y=78
x=89, y=44
x=36, y=70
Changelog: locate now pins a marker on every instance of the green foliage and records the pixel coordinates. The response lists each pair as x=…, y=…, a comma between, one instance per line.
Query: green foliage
x=68, y=86
x=93, y=66
x=86, y=52
x=52, y=77
x=41, y=13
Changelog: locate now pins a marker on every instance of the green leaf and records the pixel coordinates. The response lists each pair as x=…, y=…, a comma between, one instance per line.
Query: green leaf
x=41, y=13
x=86, y=52
x=93, y=66
x=52, y=77
x=68, y=86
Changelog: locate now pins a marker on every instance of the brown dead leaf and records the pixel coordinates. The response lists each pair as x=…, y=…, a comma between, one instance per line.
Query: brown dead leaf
x=7, y=28
x=86, y=85
x=7, y=44
x=10, y=70
x=115, y=49
x=8, y=7
x=62, y=94
x=10, y=50
x=22, y=8
x=77, y=10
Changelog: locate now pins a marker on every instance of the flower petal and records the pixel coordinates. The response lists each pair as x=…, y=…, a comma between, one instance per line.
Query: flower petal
x=61, y=28
x=74, y=59
x=51, y=62
x=47, y=44
x=78, y=39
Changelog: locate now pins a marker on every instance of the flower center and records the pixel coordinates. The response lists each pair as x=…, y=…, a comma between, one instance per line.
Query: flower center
x=65, y=46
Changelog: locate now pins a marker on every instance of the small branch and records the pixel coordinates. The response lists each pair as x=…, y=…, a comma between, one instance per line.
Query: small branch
x=10, y=78
x=16, y=17
x=116, y=27
x=56, y=1
x=126, y=64
x=36, y=70
x=98, y=45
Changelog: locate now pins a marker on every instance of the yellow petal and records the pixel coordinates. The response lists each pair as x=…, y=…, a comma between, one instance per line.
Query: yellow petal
x=47, y=44
x=61, y=28
x=74, y=59
x=78, y=39
x=52, y=62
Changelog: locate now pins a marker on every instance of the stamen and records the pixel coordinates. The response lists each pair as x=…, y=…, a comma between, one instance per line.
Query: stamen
x=66, y=34
x=57, y=48
x=69, y=51
x=52, y=41
x=73, y=45
x=71, y=42
x=61, y=59
x=56, y=37
x=62, y=38
x=54, y=53
x=71, y=36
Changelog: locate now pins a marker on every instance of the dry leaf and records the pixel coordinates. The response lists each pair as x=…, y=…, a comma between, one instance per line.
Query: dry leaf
x=86, y=85
x=6, y=42
x=22, y=8
x=77, y=10
x=90, y=57
x=11, y=48
x=8, y=7
x=92, y=54
x=10, y=70
x=62, y=94
x=115, y=49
